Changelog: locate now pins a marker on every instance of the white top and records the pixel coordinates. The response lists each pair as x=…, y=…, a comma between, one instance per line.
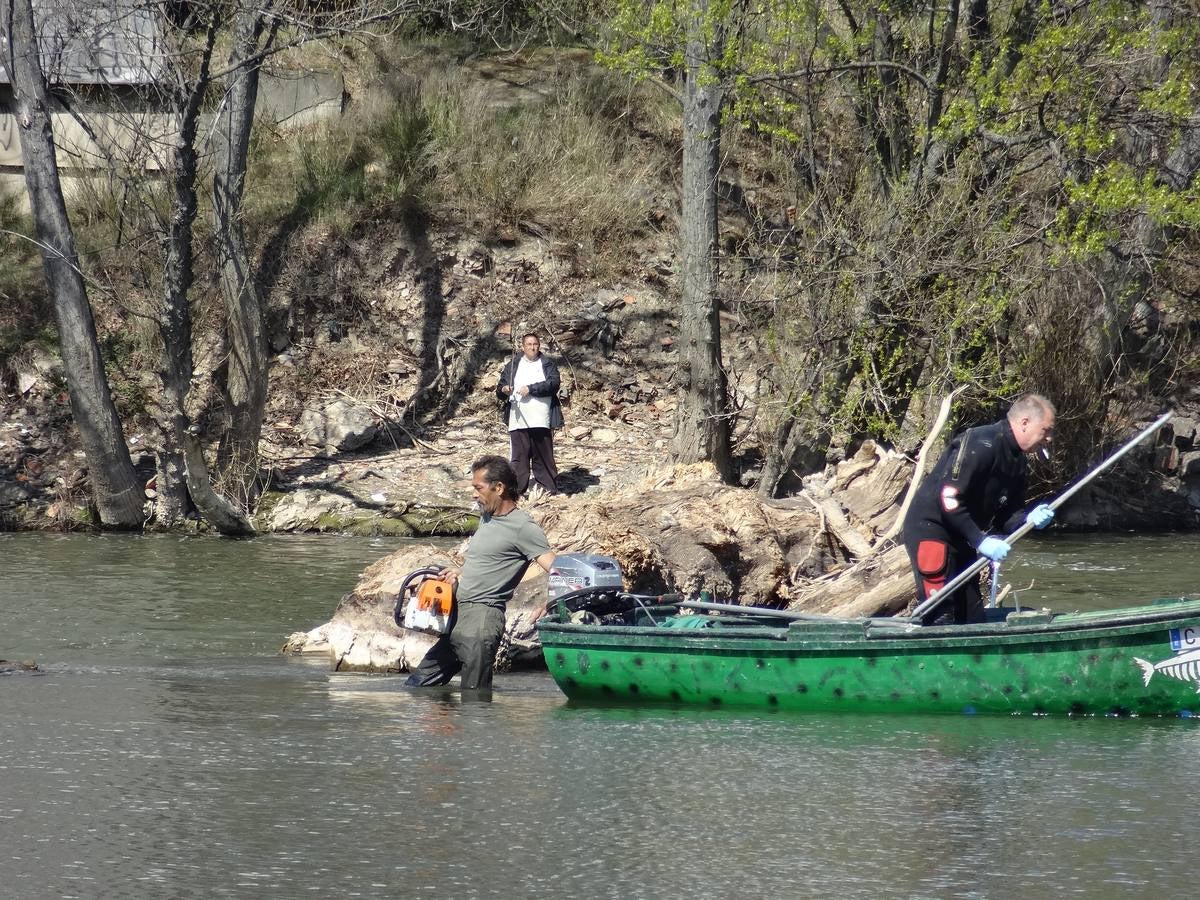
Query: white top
x=530, y=411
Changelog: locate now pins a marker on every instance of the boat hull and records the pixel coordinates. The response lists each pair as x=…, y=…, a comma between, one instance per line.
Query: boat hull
x=1125, y=662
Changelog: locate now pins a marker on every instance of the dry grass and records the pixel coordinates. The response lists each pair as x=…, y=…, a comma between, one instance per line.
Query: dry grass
x=555, y=154
x=561, y=164
x=24, y=308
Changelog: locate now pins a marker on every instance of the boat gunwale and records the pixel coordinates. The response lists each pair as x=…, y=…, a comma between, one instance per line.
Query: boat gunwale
x=858, y=634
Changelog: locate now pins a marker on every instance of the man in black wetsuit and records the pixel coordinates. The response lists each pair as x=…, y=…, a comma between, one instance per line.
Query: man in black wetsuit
x=978, y=485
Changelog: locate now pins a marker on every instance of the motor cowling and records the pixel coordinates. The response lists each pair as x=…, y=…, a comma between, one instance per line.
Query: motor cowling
x=577, y=571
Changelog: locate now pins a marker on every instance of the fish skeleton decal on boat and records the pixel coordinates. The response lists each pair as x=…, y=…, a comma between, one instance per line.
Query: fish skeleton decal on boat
x=1184, y=665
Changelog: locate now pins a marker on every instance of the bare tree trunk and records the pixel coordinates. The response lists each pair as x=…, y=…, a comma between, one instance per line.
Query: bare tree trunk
x=172, y=503
x=175, y=321
x=219, y=512
x=794, y=449
x=115, y=486
x=180, y=440
x=702, y=425
x=944, y=54
x=244, y=387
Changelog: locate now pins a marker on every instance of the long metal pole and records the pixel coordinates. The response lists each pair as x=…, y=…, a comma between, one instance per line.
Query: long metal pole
x=758, y=611
x=934, y=601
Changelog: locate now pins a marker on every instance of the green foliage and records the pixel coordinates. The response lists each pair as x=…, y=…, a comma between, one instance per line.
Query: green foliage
x=1089, y=224
x=399, y=143
x=1095, y=84
x=642, y=40
x=930, y=240
x=329, y=175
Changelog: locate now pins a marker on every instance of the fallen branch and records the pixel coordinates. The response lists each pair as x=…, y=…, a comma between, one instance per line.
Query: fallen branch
x=838, y=525
x=919, y=468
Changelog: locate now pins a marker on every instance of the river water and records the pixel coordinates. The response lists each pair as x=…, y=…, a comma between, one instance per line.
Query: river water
x=168, y=752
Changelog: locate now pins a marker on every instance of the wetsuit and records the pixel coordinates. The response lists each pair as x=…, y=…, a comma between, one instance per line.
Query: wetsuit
x=978, y=485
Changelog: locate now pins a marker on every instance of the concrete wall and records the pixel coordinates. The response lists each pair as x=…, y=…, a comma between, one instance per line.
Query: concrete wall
x=121, y=136
x=292, y=99
x=126, y=130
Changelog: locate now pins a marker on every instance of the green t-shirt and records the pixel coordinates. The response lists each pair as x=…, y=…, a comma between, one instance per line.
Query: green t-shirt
x=499, y=552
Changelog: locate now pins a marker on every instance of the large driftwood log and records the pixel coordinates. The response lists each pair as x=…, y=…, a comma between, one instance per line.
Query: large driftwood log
x=882, y=585
x=680, y=529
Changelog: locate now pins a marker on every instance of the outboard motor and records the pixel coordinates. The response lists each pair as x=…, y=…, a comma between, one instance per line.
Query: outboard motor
x=427, y=604
x=576, y=571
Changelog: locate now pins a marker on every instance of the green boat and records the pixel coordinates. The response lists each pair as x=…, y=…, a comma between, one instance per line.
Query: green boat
x=1136, y=661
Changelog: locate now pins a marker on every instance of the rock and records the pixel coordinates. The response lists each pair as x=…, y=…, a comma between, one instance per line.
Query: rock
x=1191, y=492
x=1184, y=432
x=605, y=435
x=14, y=494
x=1189, y=463
x=341, y=425
x=579, y=432
x=312, y=427
x=302, y=510
x=23, y=667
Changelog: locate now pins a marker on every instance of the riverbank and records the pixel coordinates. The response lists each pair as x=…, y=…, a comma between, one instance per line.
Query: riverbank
x=404, y=488
x=388, y=325
x=424, y=489
x=374, y=432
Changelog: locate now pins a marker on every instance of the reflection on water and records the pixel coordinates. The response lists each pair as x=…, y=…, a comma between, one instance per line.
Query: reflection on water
x=169, y=753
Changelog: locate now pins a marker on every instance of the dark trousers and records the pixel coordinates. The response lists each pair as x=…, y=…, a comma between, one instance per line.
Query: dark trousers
x=937, y=563
x=470, y=648
x=534, y=447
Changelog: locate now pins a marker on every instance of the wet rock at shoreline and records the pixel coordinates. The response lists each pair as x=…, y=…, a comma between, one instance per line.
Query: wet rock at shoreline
x=24, y=667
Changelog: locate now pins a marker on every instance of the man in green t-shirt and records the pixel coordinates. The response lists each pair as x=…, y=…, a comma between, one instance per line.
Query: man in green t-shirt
x=506, y=541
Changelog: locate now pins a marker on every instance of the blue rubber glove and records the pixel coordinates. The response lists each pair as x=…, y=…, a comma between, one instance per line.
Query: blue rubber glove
x=1039, y=517
x=993, y=548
